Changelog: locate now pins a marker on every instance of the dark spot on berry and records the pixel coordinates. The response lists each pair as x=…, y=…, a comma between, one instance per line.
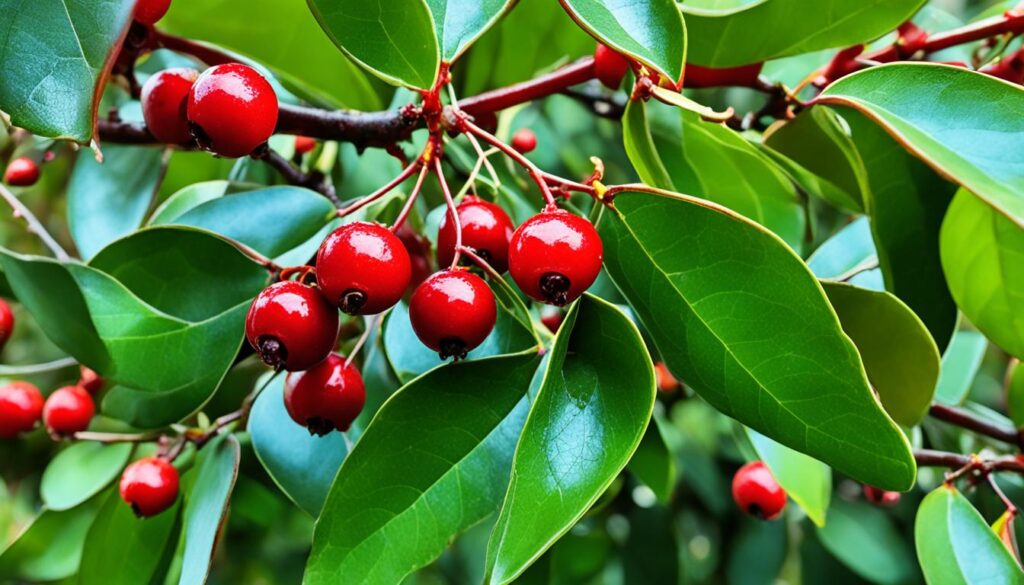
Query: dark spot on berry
x=352, y=301
x=137, y=511
x=271, y=351
x=755, y=511
x=453, y=347
x=319, y=426
x=200, y=135
x=555, y=288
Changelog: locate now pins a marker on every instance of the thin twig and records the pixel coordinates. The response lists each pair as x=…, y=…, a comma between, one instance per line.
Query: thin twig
x=363, y=202
x=972, y=422
x=407, y=208
x=30, y=369
x=34, y=225
x=453, y=211
x=370, y=326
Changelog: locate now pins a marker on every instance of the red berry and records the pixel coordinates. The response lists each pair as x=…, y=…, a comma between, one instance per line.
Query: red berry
x=552, y=319
x=524, y=140
x=453, y=312
x=609, y=66
x=418, y=248
x=555, y=256
x=666, y=381
x=90, y=380
x=149, y=486
x=150, y=11
x=6, y=322
x=880, y=497
x=232, y=110
x=327, y=397
x=164, y=101
x=363, y=267
x=21, y=406
x=22, y=172
x=304, y=144
x=485, y=227
x=757, y=493
x=292, y=326
x=68, y=410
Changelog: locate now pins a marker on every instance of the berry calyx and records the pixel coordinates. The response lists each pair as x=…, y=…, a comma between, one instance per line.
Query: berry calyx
x=232, y=110
x=21, y=406
x=485, y=227
x=6, y=322
x=149, y=486
x=880, y=497
x=22, y=172
x=164, y=104
x=326, y=397
x=68, y=410
x=304, y=144
x=610, y=67
x=150, y=11
x=554, y=256
x=291, y=326
x=90, y=380
x=524, y=140
x=757, y=493
x=363, y=268
x=453, y=312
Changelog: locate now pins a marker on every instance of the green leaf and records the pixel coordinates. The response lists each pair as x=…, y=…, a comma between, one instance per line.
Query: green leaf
x=653, y=462
x=983, y=151
x=394, y=39
x=301, y=464
x=955, y=545
x=850, y=250
x=55, y=57
x=806, y=480
x=594, y=403
x=758, y=553
x=907, y=201
x=899, y=355
x=284, y=36
x=206, y=505
x=675, y=150
x=864, y=538
x=745, y=323
x=1015, y=393
x=110, y=200
x=739, y=33
x=650, y=31
x=80, y=472
x=121, y=549
x=458, y=23
x=192, y=196
x=960, y=365
x=409, y=357
x=401, y=497
x=650, y=553
x=983, y=257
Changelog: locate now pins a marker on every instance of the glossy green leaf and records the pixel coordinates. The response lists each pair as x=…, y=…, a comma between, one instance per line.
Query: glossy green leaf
x=394, y=39
x=745, y=323
x=675, y=150
x=650, y=31
x=850, y=250
x=899, y=355
x=1015, y=393
x=192, y=196
x=983, y=151
x=960, y=364
x=284, y=36
x=983, y=257
x=80, y=472
x=956, y=546
x=806, y=480
x=653, y=463
x=121, y=549
x=206, y=506
x=301, y=464
x=865, y=539
x=738, y=33
x=594, y=403
x=55, y=57
x=401, y=496
x=110, y=200
x=460, y=22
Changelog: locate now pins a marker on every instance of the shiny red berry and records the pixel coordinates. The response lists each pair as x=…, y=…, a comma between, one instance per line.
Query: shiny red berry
x=757, y=493
x=880, y=497
x=232, y=110
x=6, y=322
x=485, y=227
x=149, y=486
x=304, y=144
x=453, y=312
x=22, y=172
x=68, y=410
x=90, y=380
x=21, y=406
x=554, y=256
x=150, y=11
x=524, y=140
x=164, y=102
x=326, y=397
x=291, y=325
x=363, y=267
x=610, y=67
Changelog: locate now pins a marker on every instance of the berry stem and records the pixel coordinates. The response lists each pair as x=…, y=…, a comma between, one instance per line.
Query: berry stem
x=1011, y=509
x=407, y=208
x=479, y=261
x=34, y=225
x=470, y=183
x=371, y=324
x=405, y=174
x=115, y=437
x=453, y=211
x=535, y=173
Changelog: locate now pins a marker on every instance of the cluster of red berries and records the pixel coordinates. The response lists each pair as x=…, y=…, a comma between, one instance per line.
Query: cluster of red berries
x=364, y=269
x=757, y=493
x=66, y=411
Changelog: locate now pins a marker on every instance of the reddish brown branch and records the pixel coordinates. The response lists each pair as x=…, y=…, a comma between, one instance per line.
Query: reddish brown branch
x=972, y=422
x=931, y=458
x=555, y=82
